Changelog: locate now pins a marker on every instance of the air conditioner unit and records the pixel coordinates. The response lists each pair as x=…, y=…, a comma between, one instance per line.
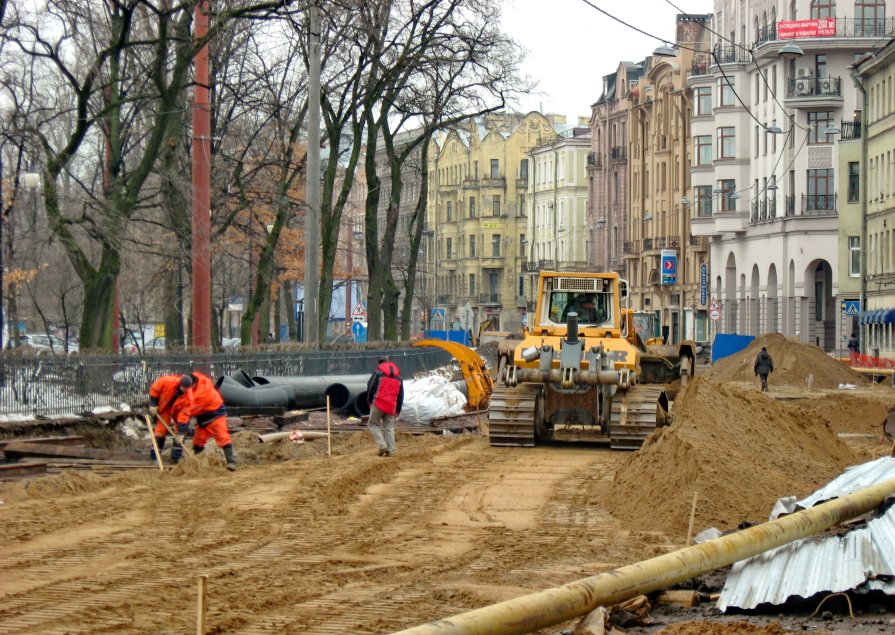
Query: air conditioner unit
x=803, y=72
x=826, y=86
x=803, y=87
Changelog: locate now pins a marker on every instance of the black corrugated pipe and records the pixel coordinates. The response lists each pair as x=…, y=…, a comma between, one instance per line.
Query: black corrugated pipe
x=238, y=396
x=242, y=377
x=360, y=405
x=343, y=394
x=309, y=392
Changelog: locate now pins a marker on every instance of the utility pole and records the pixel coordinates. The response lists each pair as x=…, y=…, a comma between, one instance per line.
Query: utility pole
x=201, y=149
x=312, y=185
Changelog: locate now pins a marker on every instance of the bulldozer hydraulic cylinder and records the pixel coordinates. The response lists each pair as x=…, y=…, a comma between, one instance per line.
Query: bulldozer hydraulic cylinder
x=552, y=606
x=595, y=378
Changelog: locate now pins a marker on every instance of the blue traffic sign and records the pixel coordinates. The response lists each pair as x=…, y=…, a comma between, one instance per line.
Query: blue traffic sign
x=359, y=331
x=438, y=314
x=851, y=307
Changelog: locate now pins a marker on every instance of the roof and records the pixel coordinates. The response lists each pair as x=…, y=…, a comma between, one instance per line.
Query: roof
x=861, y=560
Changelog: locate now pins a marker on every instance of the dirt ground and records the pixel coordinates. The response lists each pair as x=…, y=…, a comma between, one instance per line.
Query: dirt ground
x=297, y=541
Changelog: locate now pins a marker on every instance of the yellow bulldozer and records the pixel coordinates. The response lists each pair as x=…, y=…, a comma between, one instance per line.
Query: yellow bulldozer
x=581, y=370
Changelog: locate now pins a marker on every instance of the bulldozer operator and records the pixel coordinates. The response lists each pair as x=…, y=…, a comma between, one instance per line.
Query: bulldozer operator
x=585, y=307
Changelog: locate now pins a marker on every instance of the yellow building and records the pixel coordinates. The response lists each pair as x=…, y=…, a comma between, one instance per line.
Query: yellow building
x=476, y=218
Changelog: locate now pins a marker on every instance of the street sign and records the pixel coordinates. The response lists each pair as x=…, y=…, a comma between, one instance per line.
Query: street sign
x=703, y=283
x=359, y=312
x=359, y=331
x=851, y=307
x=438, y=314
x=715, y=314
x=669, y=266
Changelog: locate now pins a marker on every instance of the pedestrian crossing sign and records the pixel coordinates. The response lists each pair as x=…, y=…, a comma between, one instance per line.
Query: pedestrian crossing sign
x=851, y=308
x=438, y=314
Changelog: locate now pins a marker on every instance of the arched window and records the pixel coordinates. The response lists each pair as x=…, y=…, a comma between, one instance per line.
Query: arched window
x=823, y=9
x=870, y=18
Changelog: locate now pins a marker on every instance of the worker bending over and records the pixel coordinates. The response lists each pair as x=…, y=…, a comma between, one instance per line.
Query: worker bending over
x=211, y=417
x=171, y=401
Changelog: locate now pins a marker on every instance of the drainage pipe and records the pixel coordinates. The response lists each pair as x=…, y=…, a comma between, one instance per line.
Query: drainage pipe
x=343, y=394
x=237, y=395
x=308, y=392
x=550, y=607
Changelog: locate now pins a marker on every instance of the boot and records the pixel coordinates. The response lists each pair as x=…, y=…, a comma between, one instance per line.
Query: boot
x=176, y=454
x=160, y=442
x=197, y=449
x=231, y=460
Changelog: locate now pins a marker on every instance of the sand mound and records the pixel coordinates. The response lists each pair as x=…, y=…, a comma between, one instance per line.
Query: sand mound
x=793, y=363
x=739, y=449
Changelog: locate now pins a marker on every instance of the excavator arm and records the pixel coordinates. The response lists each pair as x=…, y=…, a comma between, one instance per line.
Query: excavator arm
x=479, y=384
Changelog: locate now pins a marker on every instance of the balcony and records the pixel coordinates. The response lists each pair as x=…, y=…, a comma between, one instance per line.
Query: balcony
x=618, y=154
x=850, y=130
x=731, y=55
x=470, y=184
x=489, y=298
x=814, y=88
x=700, y=65
x=698, y=243
x=790, y=204
x=522, y=184
x=630, y=247
x=444, y=299
x=819, y=204
x=772, y=208
x=496, y=181
x=534, y=266
x=594, y=160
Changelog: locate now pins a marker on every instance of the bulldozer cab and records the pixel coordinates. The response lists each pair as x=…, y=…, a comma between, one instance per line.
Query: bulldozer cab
x=591, y=298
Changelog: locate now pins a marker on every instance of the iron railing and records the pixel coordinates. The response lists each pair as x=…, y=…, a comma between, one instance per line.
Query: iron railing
x=850, y=130
x=43, y=386
x=813, y=87
x=790, y=205
x=489, y=298
x=618, y=153
x=845, y=27
x=819, y=204
x=629, y=247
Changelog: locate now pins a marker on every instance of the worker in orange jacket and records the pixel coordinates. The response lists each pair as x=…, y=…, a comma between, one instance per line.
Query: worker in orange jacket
x=171, y=400
x=211, y=417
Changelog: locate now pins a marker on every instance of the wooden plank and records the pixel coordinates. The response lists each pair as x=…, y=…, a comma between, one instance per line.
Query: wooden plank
x=290, y=417
x=15, y=470
x=18, y=449
x=68, y=440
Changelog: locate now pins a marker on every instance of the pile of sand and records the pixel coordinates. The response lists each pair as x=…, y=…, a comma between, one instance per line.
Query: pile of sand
x=739, y=449
x=793, y=363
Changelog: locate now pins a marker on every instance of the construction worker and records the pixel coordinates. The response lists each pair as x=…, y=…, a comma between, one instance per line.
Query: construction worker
x=211, y=418
x=385, y=393
x=583, y=305
x=853, y=349
x=171, y=401
x=763, y=367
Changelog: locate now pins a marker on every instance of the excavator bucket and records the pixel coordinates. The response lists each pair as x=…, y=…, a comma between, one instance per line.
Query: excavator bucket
x=479, y=384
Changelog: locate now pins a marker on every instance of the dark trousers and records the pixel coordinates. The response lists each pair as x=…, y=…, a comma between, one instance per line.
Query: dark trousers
x=764, y=381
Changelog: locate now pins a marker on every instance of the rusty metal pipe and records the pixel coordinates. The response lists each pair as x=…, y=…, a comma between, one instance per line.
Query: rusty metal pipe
x=554, y=375
x=553, y=606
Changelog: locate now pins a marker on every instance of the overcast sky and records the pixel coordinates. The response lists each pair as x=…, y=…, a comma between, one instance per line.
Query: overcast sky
x=572, y=45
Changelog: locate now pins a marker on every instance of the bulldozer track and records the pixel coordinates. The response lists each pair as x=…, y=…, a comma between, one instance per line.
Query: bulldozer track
x=634, y=416
x=511, y=417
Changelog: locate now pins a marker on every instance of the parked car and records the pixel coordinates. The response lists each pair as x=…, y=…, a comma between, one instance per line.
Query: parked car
x=46, y=343
x=230, y=343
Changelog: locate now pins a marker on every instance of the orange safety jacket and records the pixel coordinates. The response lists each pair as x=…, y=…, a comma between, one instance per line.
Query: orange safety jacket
x=207, y=402
x=174, y=405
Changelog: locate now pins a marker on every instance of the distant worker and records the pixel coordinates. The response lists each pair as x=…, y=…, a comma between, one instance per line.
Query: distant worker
x=211, y=418
x=583, y=305
x=171, y=401
x=385, y=393
x=764, y=366
x=853, y=347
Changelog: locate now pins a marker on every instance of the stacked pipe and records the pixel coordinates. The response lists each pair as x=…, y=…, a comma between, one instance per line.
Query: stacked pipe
x=347, y=393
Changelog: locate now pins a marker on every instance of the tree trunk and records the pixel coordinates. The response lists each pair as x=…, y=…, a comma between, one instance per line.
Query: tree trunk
x=99, y=303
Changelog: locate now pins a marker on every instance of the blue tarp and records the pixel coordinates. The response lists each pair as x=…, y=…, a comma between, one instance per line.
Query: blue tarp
x=461, y=337
x=725, y=344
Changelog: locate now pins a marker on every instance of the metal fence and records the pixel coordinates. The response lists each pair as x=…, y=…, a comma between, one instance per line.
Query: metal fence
x=45, y=386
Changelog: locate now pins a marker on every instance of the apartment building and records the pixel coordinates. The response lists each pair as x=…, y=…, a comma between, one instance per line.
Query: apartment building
x=607, y=169
x=867, y=281
x=767, y=102
x=558, y=230
x=478, y=182
x=663, y=260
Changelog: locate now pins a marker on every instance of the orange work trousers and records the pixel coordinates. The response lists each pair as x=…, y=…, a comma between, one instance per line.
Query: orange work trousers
x=217, y=429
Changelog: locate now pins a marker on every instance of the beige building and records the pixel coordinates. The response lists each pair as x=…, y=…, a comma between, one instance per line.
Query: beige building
x=478, y=180
x=875, y=187
x=663, y=261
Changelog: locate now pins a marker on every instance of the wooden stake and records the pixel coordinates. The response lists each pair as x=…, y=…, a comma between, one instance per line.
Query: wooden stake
x=202, y=606
x=692, y=518
x=329, y=436
x=158, y=456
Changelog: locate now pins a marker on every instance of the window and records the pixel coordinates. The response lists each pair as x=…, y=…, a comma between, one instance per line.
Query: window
x=704, y=100
x=472, y=207
x=523, y=170
x=820, y=66
x=472, y=246
x=728, y=85
x=522, y=209
x=703, y=150
x=495, y=205
x=450, y=247
x=494, y=284
x=823, y=9
x=870, y=18
x=854, y=257
x=728, y=203
x=703, y=201
x=471, y=284
x=727, y=142
x=495, y=168
x=756, y=142
x=450, y=210
x=821, y=190
x=495, y=246
x=854, y=182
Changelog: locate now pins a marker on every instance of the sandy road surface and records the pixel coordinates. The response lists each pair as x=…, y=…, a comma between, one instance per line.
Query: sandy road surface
x=350, y=544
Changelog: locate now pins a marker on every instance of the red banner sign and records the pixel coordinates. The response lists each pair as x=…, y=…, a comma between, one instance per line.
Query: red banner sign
x=797, y=29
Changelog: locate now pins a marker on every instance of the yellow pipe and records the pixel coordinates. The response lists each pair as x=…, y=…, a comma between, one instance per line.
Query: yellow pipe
x=553, y=606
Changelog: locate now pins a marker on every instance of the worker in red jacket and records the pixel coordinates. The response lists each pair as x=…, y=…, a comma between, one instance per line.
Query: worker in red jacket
x=171, y=400
x=385, y=394
x=211, y=418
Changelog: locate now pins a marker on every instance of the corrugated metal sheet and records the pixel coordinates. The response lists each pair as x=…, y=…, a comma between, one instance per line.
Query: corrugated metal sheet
x=862, y=560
